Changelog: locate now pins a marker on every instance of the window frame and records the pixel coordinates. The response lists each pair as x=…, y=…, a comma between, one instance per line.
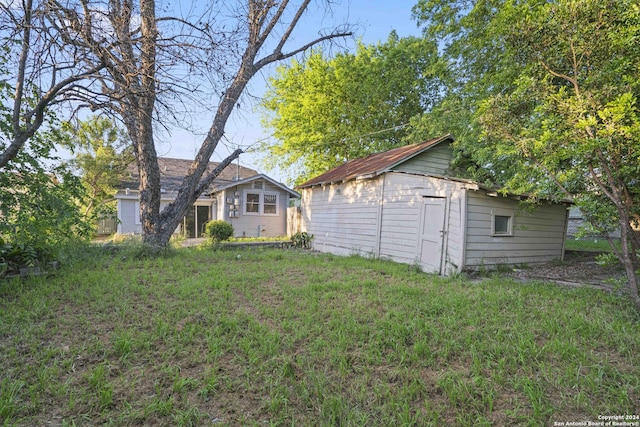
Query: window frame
x=261, y=196
x=510, y=226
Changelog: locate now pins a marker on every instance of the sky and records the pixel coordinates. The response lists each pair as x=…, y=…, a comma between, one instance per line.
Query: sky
x=372, y=20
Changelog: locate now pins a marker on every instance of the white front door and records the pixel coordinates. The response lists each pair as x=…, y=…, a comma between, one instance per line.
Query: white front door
x=430, y=243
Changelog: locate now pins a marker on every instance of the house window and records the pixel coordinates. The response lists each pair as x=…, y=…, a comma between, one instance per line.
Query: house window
x=270, y=206
x=260, y=203
x=257, y=185
x=502, y=225
x=253, y=203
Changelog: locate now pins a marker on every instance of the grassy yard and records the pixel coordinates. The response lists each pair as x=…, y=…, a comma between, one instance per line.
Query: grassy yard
x=273, y=337
x=589, y=245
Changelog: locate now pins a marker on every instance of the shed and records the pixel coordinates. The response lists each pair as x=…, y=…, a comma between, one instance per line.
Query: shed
x=402, y=205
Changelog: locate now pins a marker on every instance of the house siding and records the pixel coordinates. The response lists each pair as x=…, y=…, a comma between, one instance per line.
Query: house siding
x=127, y=217
x=435, y=161
x=381, y=217
x=538, y=234
x=255, y=225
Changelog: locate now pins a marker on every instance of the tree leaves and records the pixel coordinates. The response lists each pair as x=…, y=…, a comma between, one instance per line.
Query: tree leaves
x=325, y=111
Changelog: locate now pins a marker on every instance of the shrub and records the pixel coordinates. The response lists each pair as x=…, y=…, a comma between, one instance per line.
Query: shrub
x=302, y=240
x=219, y=230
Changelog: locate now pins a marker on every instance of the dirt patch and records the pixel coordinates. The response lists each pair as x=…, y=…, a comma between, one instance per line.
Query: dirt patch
x=579, y=269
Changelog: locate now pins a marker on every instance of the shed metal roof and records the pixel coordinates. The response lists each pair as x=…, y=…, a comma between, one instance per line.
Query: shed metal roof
x=373, y=164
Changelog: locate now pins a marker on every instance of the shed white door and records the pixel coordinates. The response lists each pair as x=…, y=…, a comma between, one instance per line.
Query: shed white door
x=431, y=233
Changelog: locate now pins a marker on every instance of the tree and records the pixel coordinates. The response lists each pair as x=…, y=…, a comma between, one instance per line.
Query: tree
x=142, y=61
x=560, y=118
x=37, y=69
x=475, y=63
x=326, y=110
x=102, y=154
x=38, y=197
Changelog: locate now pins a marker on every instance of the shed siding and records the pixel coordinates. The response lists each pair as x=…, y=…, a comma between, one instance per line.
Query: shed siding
x=342, y=217
x=434, y=161
x=538, y=235
x=381, y=217
x=402, y=208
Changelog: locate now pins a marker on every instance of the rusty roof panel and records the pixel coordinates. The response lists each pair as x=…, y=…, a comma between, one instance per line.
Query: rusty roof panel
x=373, y=164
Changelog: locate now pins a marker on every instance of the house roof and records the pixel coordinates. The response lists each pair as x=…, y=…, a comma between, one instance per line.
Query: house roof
x=224, y=185
x=374, y=164
x=173, y=171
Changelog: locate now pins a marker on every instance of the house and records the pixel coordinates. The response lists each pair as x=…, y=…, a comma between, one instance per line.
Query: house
x=255, y=206
x=402, y=205
x=253, y=203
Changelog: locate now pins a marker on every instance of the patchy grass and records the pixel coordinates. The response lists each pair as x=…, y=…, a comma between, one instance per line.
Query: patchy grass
x=295, y=338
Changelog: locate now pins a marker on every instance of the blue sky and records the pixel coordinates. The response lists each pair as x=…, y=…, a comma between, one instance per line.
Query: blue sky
x=372, y=20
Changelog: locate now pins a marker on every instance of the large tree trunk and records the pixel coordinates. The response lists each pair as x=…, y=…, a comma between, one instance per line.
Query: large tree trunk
x=629, y=257
x=146, y=150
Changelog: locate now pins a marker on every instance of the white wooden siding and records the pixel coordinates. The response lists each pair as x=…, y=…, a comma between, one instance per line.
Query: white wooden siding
x=342, y=217
x=538, y=235
x=434, y=161
x=380, y=217
x=127, y=217
x=401, y=212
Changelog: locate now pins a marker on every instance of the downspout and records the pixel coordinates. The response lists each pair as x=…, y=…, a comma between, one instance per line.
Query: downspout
x=463, y=229
x=564, y=237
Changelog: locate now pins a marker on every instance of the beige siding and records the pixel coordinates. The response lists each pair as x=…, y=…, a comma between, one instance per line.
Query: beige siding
x=434, y=161
x=538, y=235
x=342, y=217
x=256, y=225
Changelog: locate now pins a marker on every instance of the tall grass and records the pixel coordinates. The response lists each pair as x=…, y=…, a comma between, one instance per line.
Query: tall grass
x=274, y=337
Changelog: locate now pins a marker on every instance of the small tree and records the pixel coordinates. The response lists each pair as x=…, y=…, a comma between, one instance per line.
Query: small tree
x=102, y=155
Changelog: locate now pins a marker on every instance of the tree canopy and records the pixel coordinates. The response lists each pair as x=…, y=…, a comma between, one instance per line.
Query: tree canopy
x=550, y=93
x=326, y=110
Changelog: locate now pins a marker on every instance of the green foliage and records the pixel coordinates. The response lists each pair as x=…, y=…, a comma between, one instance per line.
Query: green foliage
x=218, y=230
x=19, y=255
x=302, y=240
x=102, y=154
x=39, y=198
x=550, y=91
x=325, y=111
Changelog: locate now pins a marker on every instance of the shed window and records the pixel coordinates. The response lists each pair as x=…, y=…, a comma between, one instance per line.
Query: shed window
x=502, y=225
x=260, y=203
